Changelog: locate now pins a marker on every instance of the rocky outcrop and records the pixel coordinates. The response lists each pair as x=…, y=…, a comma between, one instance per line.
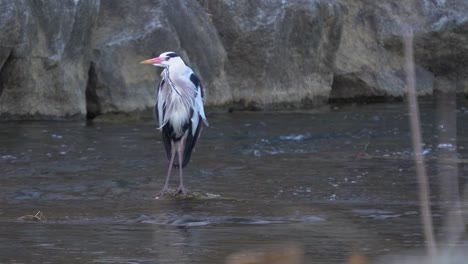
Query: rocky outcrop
x=442, y=47
x=369, y=61
x=9, y=37
x=73, y=58
x=44, y=57
x=280, y=51
x=126, y=33
x=363, y=66
x=240, y=58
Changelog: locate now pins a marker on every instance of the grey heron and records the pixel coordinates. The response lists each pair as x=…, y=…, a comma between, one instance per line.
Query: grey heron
x=180, y=112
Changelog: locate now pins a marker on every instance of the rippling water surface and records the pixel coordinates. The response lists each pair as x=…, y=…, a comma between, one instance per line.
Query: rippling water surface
x=334, y=181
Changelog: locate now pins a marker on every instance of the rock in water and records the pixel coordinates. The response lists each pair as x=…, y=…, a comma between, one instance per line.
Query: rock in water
x=199, y=195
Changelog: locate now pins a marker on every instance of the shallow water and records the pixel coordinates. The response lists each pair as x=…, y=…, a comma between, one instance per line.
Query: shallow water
x=334, y=180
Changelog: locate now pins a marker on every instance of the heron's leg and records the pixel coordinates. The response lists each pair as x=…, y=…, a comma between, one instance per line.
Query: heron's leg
x=180, y=153
x=165, y=189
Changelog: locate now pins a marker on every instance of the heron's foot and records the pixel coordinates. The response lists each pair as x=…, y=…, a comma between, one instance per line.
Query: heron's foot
x=182, y=190
x=163, y=191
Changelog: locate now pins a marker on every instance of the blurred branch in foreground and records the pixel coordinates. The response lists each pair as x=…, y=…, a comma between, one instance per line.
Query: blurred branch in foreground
x=415, y=124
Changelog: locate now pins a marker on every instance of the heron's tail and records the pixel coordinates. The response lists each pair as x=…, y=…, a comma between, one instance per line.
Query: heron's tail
x=185, y=156
x=189, y=145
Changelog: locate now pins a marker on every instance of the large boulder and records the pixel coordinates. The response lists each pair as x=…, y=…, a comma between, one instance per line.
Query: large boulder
x=370, y=60
x=364, y=67
x=278, y=51
x=47, y=42
x=127, y=33
x=69, y=58
x=8, y=27
x=442, y=47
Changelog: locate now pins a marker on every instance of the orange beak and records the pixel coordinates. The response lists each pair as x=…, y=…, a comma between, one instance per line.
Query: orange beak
x=156, y=60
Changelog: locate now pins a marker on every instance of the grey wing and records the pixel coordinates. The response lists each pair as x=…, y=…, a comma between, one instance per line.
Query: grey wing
x=160, y=104
x=199, y=110
x=159, y=112
x=191, y=141
x=197, y=117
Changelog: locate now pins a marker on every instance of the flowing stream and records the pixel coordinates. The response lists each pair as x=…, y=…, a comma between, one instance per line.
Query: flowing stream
x=332, y=180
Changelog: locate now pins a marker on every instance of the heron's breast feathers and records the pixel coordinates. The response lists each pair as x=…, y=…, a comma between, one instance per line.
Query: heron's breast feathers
x=180, y=100
x=179, y=110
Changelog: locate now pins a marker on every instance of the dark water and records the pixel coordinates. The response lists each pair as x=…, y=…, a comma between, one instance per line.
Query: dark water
x=334, y=181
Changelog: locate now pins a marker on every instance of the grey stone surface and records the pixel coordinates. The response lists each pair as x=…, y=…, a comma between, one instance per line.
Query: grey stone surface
x=371, y=50
x=126, y=34
x=45, y=73
x=278, y=51
x=72, y=58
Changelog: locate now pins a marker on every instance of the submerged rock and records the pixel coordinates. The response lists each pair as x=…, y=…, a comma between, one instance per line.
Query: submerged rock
x=199, y=195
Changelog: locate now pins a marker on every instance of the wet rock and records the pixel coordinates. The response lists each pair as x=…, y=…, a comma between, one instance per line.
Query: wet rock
x=370, y=58
x=77, y=58
x=360, y=60
x=442, y=48
x=126, y=34
x=278, y=52
x=10, y=36
x=172, y=194
x=44, y=74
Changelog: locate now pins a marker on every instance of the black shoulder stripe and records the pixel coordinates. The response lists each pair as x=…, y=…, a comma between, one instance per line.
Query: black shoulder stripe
x=194, y=80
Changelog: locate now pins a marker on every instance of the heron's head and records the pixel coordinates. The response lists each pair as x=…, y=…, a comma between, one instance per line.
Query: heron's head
x=164, y=60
